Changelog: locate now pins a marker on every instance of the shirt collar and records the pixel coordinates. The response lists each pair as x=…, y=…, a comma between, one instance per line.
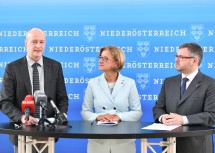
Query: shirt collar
x=31, y=62
x=191, y=76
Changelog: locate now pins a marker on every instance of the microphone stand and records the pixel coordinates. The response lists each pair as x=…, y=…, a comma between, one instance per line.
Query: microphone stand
x=56, y=120
x=43, y=119
x=54, y=124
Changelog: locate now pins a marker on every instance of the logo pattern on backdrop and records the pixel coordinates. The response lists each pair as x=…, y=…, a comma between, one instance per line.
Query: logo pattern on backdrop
x=89, y=32
x=197, y=32
x=143, y=48
x=143, y=80
x=89, y=64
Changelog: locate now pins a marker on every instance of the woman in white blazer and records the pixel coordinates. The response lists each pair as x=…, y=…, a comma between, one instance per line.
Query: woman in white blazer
x=111, y=97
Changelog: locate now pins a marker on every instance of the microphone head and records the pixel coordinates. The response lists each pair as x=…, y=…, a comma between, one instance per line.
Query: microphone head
x=36, y=93
x=28, y=103
x=62, y=120
x=39, y=97
x=29, y=98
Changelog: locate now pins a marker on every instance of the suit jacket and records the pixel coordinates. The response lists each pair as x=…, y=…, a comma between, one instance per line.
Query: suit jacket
x=16, y=85
x=197, y=104
x=124, y=101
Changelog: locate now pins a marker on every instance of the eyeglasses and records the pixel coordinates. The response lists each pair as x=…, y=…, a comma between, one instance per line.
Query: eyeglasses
x=180, y=57
x=104, y=58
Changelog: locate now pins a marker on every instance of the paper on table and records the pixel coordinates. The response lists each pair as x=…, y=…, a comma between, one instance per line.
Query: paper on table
x=107, y=123
x=159, y=126
x=51, y=120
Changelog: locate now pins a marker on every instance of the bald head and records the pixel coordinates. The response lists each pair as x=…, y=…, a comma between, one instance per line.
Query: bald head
x=34, y=30
x=35, y=43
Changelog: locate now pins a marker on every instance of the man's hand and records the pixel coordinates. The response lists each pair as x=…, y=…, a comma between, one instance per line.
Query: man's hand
x=31, y=121
x=172, y=119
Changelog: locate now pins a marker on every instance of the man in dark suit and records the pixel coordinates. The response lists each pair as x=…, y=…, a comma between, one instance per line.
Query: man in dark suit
x=18, y=81
x=195, y=106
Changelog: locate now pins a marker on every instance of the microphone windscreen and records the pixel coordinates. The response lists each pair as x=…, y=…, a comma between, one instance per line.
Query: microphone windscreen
x=40, y=98
x=29, y=98
x=28, y=103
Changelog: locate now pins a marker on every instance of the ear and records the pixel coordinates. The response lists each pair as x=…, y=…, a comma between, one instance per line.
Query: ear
x=116, y=64
x=25, y=42
x=196, y=61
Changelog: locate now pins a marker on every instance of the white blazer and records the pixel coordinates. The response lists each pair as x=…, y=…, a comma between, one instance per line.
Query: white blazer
x=124, y=101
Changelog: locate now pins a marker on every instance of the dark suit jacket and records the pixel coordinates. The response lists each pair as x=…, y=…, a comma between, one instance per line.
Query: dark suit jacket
x=16, y=85
x=197, y=104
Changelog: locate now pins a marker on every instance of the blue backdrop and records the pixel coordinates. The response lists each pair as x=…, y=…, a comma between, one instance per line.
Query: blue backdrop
x=148, y=32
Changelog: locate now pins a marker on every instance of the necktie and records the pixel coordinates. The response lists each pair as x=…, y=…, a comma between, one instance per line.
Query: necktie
x=183, y=86
x=36, y=86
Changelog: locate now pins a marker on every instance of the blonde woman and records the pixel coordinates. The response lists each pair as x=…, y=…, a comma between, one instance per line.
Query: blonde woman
x=111, y=97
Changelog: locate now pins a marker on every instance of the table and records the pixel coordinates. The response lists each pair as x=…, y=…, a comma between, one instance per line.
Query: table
x=124, y=130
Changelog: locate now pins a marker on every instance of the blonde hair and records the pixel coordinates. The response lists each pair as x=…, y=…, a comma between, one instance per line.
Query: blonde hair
x=117, y=54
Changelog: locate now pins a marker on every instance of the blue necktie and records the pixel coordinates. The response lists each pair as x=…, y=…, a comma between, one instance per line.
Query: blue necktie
x=36, y=86
x=183, y=86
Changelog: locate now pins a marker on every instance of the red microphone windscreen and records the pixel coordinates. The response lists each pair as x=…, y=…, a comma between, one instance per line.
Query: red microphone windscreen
x=29, y=98
x=28, y=102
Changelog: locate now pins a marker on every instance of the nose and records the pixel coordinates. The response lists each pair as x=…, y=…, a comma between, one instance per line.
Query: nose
x=176, y=59
x=100, y=60
x=38, y=45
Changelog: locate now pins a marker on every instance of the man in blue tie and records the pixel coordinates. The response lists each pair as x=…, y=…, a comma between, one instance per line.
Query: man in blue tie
x=188, y=99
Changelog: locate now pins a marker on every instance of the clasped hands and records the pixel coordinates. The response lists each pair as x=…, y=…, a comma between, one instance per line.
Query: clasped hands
x=172, y=119
x=108, y=118
x=31, y=120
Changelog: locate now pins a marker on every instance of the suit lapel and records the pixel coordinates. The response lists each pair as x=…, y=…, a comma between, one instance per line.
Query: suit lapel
x=119, y=84
x=177, y=88
x=47, y=74
x=104, y=86
x=192, y=87
x=25, y=75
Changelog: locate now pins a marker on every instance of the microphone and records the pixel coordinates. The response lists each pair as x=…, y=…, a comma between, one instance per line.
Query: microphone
x=40, y=99
x=28, y=107
x=62, y=120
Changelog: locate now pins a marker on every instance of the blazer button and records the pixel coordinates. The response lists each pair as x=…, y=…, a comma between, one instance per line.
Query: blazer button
x=114, y=108
x=103, y=107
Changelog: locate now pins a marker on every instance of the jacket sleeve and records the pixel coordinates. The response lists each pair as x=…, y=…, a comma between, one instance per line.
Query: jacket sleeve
x=207, y=116
x=88, y=104
x=160, y=105
x=61, y=94
x=135, y=112
x=7, y=97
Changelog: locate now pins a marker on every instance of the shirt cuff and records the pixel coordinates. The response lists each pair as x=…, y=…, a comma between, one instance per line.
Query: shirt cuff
x=159, y=119
x=185, y=120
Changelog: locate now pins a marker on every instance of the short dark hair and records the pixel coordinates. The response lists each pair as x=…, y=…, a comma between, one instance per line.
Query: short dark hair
x=194, y=49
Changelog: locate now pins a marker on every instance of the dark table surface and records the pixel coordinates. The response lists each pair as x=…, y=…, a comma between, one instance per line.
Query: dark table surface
x=124, y=130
